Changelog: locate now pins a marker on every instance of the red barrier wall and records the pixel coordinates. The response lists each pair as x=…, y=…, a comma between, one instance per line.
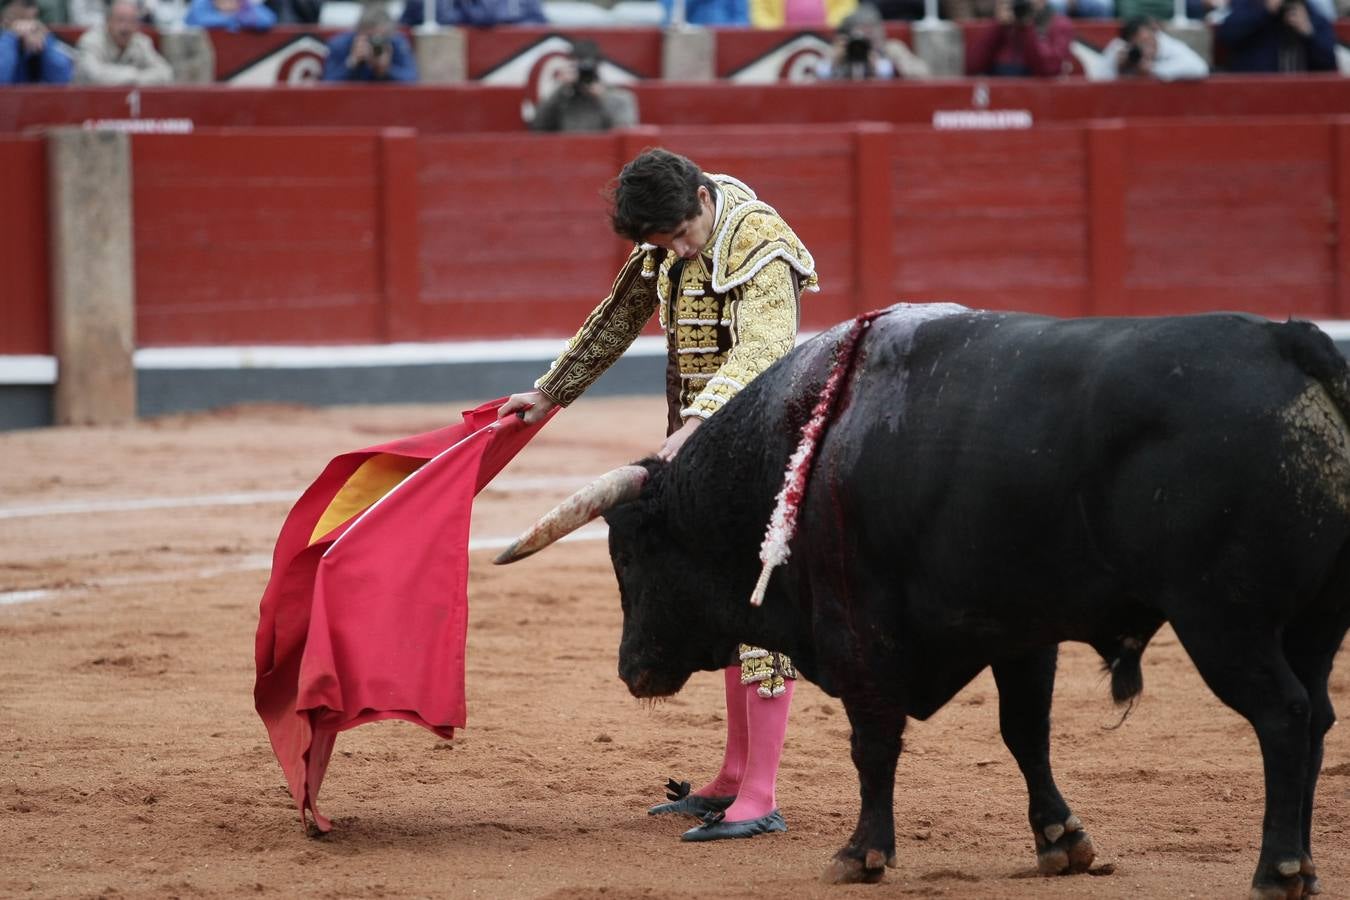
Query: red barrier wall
x=472, y=109
x=251, y=237
x=370, y=236
x=24, y=261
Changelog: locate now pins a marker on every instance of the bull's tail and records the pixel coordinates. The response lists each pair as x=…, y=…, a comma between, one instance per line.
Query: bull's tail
x=1127, y=680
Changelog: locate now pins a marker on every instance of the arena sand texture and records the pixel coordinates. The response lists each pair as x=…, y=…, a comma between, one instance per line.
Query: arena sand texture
x=132, y=763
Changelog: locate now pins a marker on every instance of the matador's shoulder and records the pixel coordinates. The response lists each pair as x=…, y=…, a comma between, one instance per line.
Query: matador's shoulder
x=751, y=236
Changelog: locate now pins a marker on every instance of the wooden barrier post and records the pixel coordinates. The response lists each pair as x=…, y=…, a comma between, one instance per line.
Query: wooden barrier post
x=93, y=288
x=942, y=45
x=399, y=236
x=689, y=54
x=1106, y=162
x=1194, y=34
x=874, y=273
x=442, y=54
x=191, y=54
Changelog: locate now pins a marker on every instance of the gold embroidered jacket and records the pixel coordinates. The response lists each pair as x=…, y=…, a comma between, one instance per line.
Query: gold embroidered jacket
x=732, y=313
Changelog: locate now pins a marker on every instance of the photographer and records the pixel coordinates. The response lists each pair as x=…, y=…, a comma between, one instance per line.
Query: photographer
x=861, y=50
x=29, y=53
x=1277, y=36
x=1026, y=38
x=375, y=51
x=583, y=102
x=1144, y=50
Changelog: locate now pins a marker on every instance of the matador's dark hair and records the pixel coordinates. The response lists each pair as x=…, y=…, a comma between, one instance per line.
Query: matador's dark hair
x=655, y=194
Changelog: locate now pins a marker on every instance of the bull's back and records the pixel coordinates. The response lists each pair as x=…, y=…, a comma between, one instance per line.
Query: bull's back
x=1025, y=462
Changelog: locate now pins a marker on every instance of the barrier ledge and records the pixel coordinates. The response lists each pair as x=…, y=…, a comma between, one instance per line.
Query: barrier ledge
x=464, y=109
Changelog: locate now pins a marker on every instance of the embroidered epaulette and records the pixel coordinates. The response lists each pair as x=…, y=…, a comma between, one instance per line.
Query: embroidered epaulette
x=752, y=236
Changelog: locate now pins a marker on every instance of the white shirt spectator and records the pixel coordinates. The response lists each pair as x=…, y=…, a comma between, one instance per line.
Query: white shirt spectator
x=1172, y=61
x=117, y=53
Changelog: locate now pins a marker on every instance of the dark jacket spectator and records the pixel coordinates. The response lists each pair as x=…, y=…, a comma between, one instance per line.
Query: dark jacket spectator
x=230, y=15
x=476, y=13
x=29, y=53
x=1026, y=38
x=583, y=102
x=374, y=51
x=296, y=12
x=1277, y=36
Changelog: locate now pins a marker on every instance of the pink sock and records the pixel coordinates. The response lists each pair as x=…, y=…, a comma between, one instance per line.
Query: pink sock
x=728, y=780
x=767, y=719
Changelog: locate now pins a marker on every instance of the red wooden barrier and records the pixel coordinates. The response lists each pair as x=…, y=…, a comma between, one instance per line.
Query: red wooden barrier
x=254, y=237
x=24, y=261
x=369, y=236
x=472, y=109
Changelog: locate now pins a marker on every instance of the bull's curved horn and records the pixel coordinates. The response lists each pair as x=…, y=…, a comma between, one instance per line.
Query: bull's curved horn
x=610, y=489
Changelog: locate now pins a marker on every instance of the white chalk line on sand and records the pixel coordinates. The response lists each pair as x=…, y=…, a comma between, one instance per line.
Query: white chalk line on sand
x=252, y=563
x=242, y=498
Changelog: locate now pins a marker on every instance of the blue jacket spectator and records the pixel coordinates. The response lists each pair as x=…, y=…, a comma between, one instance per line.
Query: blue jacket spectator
x=476, y=13
x=29, y=53
x=1277, y=36
x=710, y=12
x=375, y=51
x=230, y=15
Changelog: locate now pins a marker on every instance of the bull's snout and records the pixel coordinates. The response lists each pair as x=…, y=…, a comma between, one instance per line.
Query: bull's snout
x=646, y=682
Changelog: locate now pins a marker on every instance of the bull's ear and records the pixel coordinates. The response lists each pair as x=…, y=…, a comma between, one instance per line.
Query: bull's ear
x=612, y=488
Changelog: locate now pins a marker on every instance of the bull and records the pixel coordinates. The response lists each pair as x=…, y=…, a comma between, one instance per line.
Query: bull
x=989, y=485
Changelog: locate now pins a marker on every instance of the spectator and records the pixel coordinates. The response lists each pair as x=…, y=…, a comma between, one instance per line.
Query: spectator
x=706, y=12
x=296, y=12
x=799, y=13
x=584, y=102
x=29, y=53
x=230, y=15
x=1144, y=50
x=476, y=13
x=1026, y=38
x=117, y=53
x=861, y=50
x=375, y=51
x=1163, y=10
x=1277, y=36
x=1085, y=9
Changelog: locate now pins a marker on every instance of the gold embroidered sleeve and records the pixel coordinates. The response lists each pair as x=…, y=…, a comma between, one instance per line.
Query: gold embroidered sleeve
x=605, y=335
x=763, y=328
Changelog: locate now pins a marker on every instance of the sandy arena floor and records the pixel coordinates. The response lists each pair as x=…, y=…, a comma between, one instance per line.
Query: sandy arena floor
x=132, y=763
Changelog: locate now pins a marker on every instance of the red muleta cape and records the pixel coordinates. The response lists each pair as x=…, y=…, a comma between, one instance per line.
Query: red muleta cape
x=365, y=614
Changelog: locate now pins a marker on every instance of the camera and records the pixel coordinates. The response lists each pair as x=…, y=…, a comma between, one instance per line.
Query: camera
x=379, y=44
x=857, y=49
x=588, y=70
x=1134, y=56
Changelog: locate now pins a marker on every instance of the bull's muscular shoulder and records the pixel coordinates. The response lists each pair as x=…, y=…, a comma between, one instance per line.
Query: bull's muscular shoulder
x=753, y=235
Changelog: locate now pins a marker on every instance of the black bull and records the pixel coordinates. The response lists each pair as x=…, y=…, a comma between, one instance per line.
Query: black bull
x=993, y=484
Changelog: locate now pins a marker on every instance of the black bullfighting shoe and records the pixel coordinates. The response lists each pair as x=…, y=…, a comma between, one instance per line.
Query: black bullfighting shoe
x=684, y=803
x=717, y=828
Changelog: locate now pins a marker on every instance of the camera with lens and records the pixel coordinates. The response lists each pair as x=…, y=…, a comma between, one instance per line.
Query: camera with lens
x=588, y=70
x=857, y=48
x=1134, y=56
x=379, y=44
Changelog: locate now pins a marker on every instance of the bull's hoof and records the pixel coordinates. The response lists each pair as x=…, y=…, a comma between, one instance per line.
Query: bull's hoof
x=1288, y=881
x=848, y=870
x=1064, y=849
x=1311, y=884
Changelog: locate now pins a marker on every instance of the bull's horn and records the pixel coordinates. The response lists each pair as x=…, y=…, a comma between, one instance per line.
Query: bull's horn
x=610, y=489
